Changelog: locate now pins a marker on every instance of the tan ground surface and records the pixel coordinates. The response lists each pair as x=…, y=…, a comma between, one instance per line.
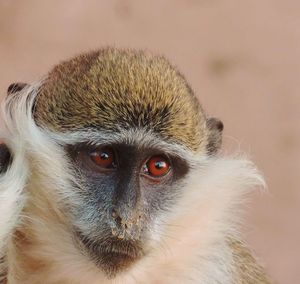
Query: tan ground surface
x=242, y=59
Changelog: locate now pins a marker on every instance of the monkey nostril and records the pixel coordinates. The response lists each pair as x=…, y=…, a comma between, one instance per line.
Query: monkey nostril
x=116, y=217
x=114, y=213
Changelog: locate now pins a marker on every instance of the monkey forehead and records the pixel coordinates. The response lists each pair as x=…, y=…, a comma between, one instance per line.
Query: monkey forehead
x=111, y=89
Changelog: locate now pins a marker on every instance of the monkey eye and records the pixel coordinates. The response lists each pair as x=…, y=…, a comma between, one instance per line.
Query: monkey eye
x=157, y=166
x=103, y=157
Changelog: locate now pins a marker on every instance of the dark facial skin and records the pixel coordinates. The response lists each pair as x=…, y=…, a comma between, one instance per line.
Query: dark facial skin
x=123, y=192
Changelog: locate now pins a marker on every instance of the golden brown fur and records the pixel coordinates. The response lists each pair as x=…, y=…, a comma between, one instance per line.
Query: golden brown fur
x=248, y=271
x=125, y=89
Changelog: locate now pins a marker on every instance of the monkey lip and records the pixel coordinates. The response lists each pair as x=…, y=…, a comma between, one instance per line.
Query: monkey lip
x=111, y=254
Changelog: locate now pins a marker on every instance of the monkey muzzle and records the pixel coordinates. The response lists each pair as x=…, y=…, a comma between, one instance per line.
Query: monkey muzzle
x=126, y=226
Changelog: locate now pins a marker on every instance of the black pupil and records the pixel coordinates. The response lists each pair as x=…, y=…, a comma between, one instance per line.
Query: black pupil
x=104, y=156
x=160, y=164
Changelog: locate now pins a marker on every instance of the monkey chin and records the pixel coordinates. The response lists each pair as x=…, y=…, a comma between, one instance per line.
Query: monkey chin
x=111, y=254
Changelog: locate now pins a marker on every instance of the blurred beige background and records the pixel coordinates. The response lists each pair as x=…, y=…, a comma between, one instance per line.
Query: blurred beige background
x=242, y=58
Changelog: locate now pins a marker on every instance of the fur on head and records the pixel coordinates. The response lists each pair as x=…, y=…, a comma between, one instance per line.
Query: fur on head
x=121, y=89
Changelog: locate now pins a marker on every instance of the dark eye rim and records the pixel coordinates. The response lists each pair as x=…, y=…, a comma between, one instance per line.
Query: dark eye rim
x=98, y=168
x=80, y=154
x=102, y=149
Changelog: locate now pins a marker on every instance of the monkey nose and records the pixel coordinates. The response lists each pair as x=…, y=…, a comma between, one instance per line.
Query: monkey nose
x=125, y=226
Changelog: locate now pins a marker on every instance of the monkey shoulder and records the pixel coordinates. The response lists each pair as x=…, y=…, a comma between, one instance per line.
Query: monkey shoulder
x=246, y=268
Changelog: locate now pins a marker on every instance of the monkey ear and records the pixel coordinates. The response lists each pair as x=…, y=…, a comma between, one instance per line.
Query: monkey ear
x=16, y=87
x=215, y=128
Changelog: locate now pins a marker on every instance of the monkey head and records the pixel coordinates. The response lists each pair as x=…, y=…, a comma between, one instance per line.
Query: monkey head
x=123, y=131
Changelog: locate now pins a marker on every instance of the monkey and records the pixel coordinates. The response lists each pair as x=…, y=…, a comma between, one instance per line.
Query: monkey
x=111, y=172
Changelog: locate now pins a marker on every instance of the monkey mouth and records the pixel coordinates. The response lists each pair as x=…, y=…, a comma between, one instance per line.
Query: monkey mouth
x=111, y=254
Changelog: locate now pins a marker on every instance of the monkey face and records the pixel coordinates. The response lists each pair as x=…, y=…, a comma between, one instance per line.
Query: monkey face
x=124, y=189
x=130, y=127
